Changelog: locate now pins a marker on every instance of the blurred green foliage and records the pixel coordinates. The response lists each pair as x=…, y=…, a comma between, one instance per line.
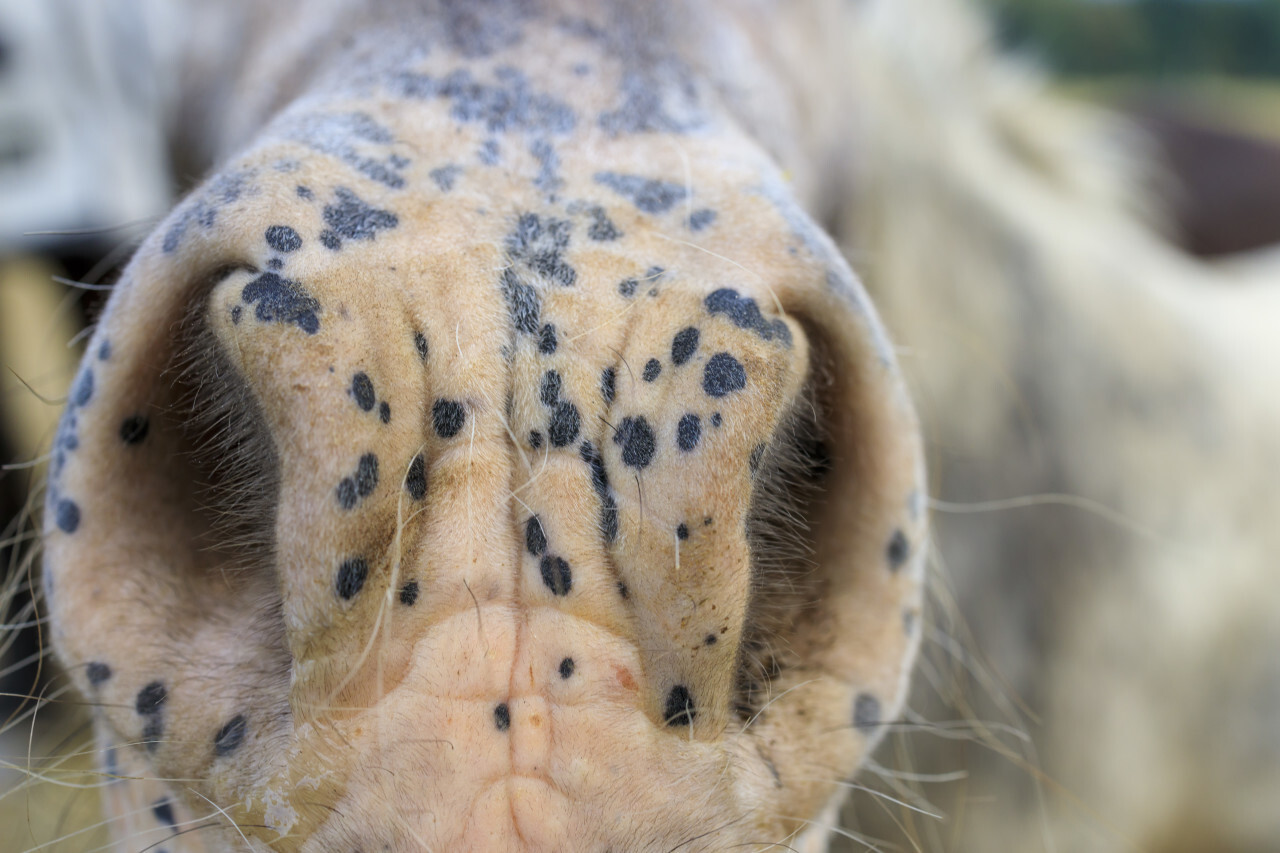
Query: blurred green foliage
x=1148, y=37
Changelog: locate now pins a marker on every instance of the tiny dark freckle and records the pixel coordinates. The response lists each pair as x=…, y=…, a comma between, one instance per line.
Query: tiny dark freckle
x=547, y=341
x=282, y=238
x=275, y=264
x=150, y=699
x=347, y=493
x=104, y=350
x=230, y=736
x=565, y=424
x=723, y=375
x=152, y=732
x=711, y=640
x=236, y=311
x=134, y=429
x=627, y=287
x=608, y=384
x=556, y=575
x=535, y=538
x=351, y=577
x=415, y=482
x=636, y=438
x=97, y=672
x=898, y=550
x=549, y=388
x=682, y=532
x=367, y=475
x=67, y=516
x=502, y=717
x=420, y=343
x=684, y=344
x=163, y=810
x=384, y=412
x=866, y=711
x=706, y=522
x=409, y=594
x=623, y=591
x=688, y=432
x=82, y=391
x=305, y=192
x=716, y=419
x=362, y=390
x=680, y=710
x=566, y=668
x=447, y=417
x=652, y=370
x=700, y=219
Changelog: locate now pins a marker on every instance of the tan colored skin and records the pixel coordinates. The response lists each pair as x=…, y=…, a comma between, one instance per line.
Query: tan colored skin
x=292, y=716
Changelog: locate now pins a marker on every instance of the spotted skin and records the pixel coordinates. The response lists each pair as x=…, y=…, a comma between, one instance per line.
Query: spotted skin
x=507, y=571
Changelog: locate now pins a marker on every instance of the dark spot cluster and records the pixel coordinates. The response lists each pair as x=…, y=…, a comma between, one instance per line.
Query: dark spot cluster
x=203, y=210
x=635, y=436
x=680, y=709
x=565, y=421
x=351, y=576
x=682, y=532
x=649, y=195
x=745, y=314
x=509, y=105
x=723, y=375
x=351, y=218
x=447, y=417
x=548, y=177
x=354, y=138
x=556, y=573
x=445, y=176
x=366, y=398
x=149, y=704
x=566, y=668
x=355, y=488
x=657, y=97
x=538, y=245
x=420, y=344
x=601, y=229
x=281, y=300
x=600, y=482
x=502, y=717
x=409, y=594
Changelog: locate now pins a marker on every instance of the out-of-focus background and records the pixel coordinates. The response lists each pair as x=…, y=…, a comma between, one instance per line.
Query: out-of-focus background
x=86, y=166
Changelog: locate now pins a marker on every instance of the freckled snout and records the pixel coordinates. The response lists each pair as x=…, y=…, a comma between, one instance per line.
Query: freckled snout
x=422, y=524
